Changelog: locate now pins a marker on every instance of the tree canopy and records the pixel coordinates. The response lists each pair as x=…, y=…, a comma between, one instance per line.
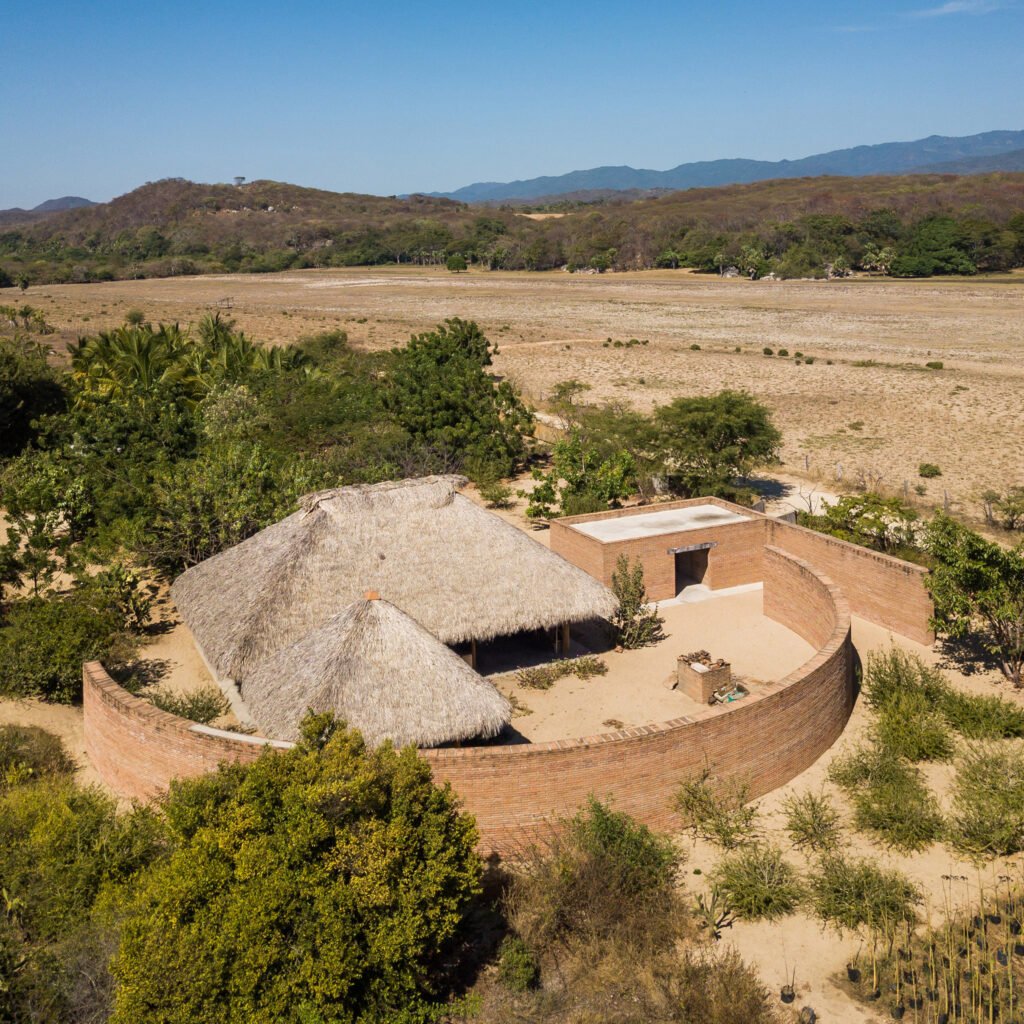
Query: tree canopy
x=322, y=884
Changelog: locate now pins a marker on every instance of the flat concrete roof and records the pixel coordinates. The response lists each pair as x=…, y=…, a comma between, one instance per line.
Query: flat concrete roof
x=653, y=524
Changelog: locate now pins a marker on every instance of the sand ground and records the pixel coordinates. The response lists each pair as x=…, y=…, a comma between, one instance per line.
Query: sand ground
x=727, y=625
x=874, y=412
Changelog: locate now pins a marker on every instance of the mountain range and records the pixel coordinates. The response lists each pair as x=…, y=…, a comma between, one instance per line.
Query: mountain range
x=973, y=154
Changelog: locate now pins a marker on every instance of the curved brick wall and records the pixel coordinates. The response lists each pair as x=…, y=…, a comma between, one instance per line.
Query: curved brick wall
x=515, y=791
x=137, y=748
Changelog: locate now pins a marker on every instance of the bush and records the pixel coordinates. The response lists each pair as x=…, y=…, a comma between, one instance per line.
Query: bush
x=28, y=753
x=327, y=882
x=720, y=815
x=928, y=470
x=605, y=877
x=812, y=822
x=759, y=883
x=784, y=352
x=29, y=388
x=496, y=494
x=543, y=677
x=204, y=705
x=767, y=351
x=853, y=893
x=982, y=716
x=896, y=680
x=45, y=641
x=517, y=966
x=934, y=365
x=909, y=726
x=634, y=623
x=988, y=800
x=889, y=798
x=66, y=857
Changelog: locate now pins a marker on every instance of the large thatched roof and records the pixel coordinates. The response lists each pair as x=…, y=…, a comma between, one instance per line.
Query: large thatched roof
x=458, y=570
x=384, y=674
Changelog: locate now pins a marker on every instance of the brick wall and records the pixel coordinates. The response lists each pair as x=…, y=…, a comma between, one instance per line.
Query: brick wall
x=883, y=590
x=137, y=749
x=734, y=560
x=887, y=591
x=515, y=792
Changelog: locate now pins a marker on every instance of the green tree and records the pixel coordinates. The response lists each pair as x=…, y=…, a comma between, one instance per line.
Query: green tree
x=456, y=263
x=704, y=443
x=581, y=479
x=635, y=623
x=978, y=589
x=440, y=392
x=871, y=521
x=326, y=883
x=29, y=388
x=230, y=491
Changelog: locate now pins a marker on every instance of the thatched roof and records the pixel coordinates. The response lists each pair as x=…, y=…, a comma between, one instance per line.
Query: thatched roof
x=381, y=672
x=461, y=572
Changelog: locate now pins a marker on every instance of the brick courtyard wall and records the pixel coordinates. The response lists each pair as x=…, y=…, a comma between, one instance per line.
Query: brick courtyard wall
x=887, y=591
x=137, y=749
x=517, y=792
x=884, y=590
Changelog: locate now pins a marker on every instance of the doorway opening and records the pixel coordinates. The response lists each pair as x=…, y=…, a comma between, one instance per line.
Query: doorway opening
x=691, y=568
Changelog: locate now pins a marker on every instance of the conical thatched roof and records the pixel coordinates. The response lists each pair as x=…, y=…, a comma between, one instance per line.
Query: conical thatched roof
x=458, y=570
x=384, y=674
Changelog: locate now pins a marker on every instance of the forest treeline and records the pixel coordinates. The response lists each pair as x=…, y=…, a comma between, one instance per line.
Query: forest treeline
x=907, y=226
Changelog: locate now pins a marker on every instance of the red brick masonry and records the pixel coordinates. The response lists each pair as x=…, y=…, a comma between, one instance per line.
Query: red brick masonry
x=516, y=792
x=883, y=590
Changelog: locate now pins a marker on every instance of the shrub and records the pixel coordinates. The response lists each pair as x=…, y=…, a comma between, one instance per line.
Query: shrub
x=28, y=753
x=720, y=814
x=983, y=716
x=45, y=641
x=784, y=352
x=496, y=494
x=853, y=893
x=934, y=365
x=759, y=883
x=204, y=705
x=812, y=822
x=910, y=727
x=517, y=966
x=928, y=470
x=988, y=800
x=326, y=882
x=893, y=675
x=809, y=360
x=695, y=348
x=889, y=798
x=767, y=351
x=634, y=623
x=543, y=677
x=604, y=877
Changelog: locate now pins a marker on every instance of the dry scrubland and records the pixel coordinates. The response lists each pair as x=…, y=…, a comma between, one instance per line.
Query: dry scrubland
x=885, y=418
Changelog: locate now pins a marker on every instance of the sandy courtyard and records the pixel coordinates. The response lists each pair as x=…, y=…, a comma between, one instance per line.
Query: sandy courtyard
x=727, y=625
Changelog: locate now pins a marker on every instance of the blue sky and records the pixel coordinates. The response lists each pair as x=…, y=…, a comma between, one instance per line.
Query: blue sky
x=98, y=97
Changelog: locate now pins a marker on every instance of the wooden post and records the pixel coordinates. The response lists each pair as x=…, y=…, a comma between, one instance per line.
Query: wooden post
x=563, y=640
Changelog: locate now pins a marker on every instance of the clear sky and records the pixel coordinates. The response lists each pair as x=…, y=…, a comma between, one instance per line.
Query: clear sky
x=99, y=97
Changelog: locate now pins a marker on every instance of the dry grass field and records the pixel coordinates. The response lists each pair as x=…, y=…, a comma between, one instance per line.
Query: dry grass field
x=867, y=403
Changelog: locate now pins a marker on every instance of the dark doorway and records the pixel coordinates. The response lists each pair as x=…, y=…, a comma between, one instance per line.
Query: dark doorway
x=691, y=568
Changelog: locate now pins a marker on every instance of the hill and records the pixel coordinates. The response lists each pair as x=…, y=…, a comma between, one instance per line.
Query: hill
x=16, y=215
x=1012, y=161
x=885, y=158
x=791, y=227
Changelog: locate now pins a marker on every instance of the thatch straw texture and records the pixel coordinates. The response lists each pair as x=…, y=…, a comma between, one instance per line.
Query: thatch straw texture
x=458, y=570
x=381, y=672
